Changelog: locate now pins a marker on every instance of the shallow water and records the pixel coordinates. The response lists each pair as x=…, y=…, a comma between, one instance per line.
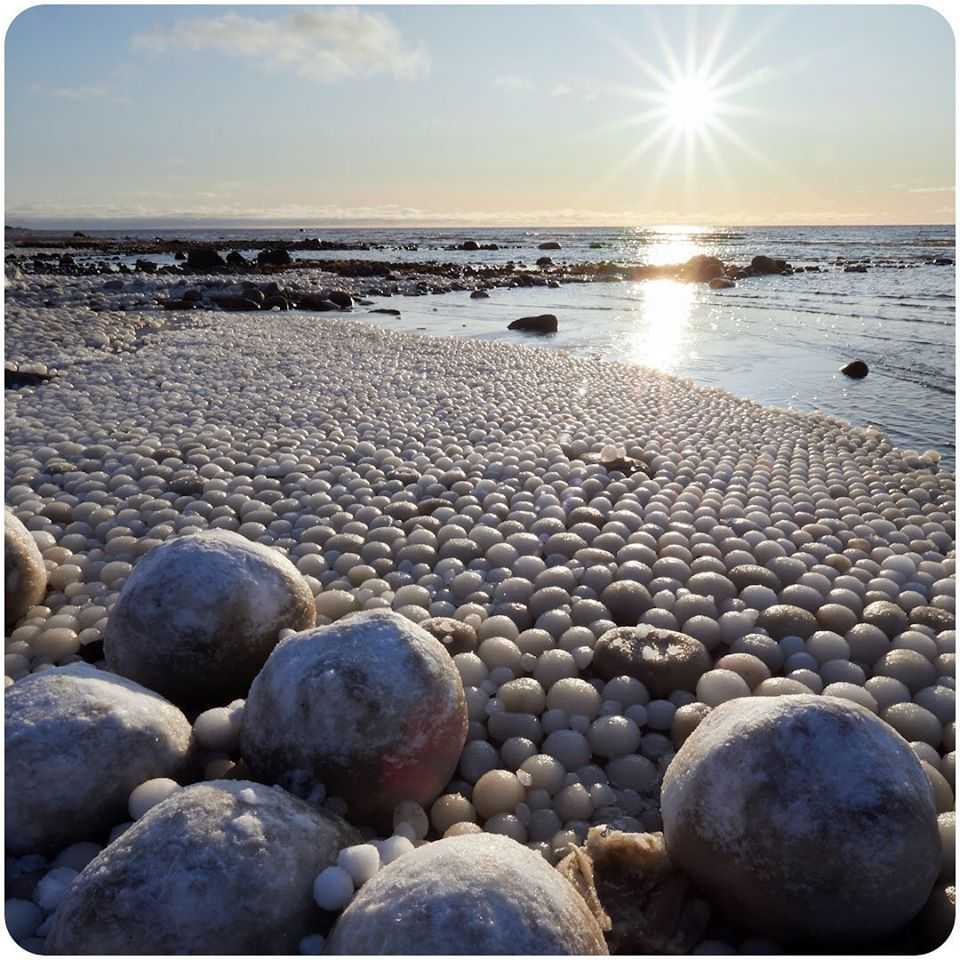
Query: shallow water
x=777, y=340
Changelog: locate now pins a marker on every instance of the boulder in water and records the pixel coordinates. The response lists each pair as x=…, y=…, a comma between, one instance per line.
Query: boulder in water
x=855, y=369
x=544, y=323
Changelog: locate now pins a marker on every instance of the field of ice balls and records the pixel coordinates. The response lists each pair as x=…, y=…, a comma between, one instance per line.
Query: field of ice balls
x=201, y=496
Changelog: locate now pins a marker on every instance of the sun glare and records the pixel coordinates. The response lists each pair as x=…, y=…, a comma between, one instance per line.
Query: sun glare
x=691, y=104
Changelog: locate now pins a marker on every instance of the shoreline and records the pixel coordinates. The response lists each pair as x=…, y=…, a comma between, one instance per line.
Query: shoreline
x=505, y=487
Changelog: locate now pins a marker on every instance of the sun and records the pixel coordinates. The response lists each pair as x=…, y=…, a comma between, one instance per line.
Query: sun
x=690, y=104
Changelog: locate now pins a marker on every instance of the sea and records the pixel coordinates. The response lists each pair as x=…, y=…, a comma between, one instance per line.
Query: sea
x=779, y=340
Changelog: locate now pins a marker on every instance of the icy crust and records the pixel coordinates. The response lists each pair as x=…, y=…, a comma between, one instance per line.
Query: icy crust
x=372, y=707
x=77, y=741
x=25, y=576
x=224, y=867
x=473, y=894
x=778, y=803
x=200, y=614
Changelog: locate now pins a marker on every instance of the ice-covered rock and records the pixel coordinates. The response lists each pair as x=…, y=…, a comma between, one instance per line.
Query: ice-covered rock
x=805, y=818
x=372, y=707
x=205, y=871
x=25, y=576
x=200, y=614
x=77, y=741
x=479, y=893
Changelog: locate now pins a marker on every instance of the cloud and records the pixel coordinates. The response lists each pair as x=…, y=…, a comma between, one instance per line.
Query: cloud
x=212, y=208
x=91, y=92
x=561, y=90
x=930, y=189
x=325, y=45
x=512, y=81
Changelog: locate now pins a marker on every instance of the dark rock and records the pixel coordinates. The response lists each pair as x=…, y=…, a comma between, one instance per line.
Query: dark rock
x=544, y=262
x=701, y=269
x=274, y=301
x=276, y=257
x=228, y=301
x=146, y=266
x=204, y=258
x=14, y=379
x=237, y=259
x=549, y=245
x=387, y=310
x=768, y=265
x=721, y=283
x=314, y=301
x=193, y=295
x=341, y=298
x=855, y=268
x=470, y=245
x=179, y=304
x=856, y=369
x=544, y=323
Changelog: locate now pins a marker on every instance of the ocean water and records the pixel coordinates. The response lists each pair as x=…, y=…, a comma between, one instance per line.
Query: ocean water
x=778, y=340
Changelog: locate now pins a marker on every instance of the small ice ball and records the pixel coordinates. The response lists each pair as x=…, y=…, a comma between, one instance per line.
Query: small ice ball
x=851, y=691
x=361, y=861
x=613, y=736
x=544, y=772
x=412, y=813
x=312, y=945
x=149, y=794
x=497, y=791
x=23, y=918
x=568, y=747
x=392, y=848
x=719, y=686
x=333, y=888
x=218, y=729
x=53, y=887
x=77, y=855
x=449, y=809
x=460, y=829
x=575, y=696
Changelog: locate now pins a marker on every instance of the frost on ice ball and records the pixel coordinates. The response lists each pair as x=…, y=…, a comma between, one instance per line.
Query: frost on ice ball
x=371, y=706
x=78, y=741
x=223, y=867
x=476, y=893
x=25, y=576
x=806, y=818
x=200, y=614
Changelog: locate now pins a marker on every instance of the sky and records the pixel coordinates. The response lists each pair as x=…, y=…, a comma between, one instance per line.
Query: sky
x=499, y=115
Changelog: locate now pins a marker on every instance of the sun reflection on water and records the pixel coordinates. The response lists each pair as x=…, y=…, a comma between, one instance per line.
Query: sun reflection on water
x=660, y=336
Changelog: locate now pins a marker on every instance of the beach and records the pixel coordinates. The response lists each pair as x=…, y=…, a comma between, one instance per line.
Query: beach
x=542, y=497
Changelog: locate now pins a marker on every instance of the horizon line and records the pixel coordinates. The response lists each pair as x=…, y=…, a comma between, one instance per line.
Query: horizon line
x=57, y=223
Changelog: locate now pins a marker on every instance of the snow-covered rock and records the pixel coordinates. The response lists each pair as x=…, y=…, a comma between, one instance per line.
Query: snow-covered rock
x=200, y=614
x=372, y=707
x=480, y=893
x=220, y=867
x=803, y=817
x=77, y=741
